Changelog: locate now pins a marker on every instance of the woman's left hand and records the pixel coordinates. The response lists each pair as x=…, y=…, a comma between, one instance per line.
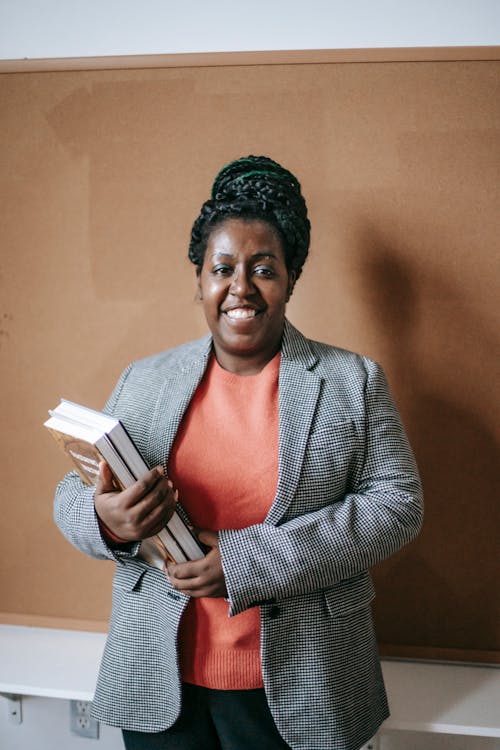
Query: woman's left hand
x=203, y=577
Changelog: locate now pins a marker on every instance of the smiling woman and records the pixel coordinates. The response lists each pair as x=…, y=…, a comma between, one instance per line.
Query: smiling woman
x=244, y=285
x=290, y=459
x=249, y=244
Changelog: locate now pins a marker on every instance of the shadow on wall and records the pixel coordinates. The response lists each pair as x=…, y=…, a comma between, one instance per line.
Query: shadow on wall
x=439, y=355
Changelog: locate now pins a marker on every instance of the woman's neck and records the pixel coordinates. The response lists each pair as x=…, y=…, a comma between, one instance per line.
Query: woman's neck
x=244, y=365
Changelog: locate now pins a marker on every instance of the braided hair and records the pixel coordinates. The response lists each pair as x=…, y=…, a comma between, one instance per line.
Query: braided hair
x=256, y=187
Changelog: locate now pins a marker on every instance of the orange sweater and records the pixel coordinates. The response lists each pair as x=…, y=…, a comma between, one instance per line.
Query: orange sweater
x=224, y=463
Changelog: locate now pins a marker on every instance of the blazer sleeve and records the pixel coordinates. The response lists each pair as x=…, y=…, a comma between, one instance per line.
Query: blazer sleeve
x=382, y=511
x=74, y=511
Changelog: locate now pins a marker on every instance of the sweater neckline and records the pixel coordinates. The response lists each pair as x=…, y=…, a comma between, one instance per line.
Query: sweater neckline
x=269, y=371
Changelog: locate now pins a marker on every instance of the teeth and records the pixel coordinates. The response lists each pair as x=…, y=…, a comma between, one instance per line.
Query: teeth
x=241, y=312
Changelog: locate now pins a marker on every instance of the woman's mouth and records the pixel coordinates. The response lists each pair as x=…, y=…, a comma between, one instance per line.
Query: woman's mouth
x=241, y=313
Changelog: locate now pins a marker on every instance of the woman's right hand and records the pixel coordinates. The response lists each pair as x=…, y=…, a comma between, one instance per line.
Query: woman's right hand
x=138, y=512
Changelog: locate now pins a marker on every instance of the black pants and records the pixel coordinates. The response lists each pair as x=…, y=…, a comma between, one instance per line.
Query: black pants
x=215, y=720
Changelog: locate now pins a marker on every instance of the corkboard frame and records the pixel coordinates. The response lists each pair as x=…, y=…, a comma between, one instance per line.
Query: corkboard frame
x=263, y=57
x=394, y=273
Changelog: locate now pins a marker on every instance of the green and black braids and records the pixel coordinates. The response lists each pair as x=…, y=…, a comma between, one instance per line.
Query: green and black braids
x=256, y=187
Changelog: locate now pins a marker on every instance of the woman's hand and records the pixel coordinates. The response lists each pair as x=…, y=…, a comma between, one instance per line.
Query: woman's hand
x=139, y=511
x=203, y=577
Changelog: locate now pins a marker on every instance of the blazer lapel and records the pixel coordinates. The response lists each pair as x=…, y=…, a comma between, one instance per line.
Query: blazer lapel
x=176, y=393
x=298, y=394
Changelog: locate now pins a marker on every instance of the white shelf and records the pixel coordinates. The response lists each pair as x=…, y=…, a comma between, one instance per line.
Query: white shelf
x=443, y=698
x=49, y=662
x=424, y=697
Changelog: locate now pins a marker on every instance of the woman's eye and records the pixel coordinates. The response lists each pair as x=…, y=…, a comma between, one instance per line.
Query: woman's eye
x=264, y=271
x=221, y=270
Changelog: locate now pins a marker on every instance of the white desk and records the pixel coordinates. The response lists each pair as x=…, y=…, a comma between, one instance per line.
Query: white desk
x=424, y=697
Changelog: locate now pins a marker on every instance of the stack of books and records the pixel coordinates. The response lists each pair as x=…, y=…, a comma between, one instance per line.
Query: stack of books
x=88, y=437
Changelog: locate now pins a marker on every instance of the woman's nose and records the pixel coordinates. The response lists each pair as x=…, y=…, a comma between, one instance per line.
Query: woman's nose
x=241, y=283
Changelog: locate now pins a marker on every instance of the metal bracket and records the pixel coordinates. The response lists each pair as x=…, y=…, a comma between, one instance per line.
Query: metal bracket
x=14, y=707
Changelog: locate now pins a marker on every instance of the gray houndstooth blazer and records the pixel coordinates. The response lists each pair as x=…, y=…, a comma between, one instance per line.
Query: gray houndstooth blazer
x=348, y=496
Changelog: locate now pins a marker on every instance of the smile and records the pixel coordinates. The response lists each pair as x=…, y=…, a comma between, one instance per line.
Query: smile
x=241, y=313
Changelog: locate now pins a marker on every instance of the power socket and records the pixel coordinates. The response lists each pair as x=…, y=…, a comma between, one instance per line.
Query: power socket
x=80, y=721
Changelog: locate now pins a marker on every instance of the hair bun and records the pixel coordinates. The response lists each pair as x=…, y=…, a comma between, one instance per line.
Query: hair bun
x=251, y=171
x=256, y=187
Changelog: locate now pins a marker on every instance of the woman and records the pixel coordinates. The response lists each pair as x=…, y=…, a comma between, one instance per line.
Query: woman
x=290, y=458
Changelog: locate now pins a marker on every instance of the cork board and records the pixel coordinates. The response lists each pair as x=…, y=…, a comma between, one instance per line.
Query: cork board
x=102, y=174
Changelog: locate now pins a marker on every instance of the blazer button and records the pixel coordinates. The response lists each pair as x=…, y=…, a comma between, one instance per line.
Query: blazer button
x=274, y=612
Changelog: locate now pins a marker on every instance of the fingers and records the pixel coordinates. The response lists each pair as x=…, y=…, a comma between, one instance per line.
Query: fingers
x=139, y=511
x=143, y=487
x=199, y=587
x=105, y=480
x=208, y=537
x=133, y=494
x=199, y=578
x=189, y=571
x=156, y=501
x=152, y=511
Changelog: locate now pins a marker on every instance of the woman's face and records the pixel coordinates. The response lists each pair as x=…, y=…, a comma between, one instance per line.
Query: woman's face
x=244, y=286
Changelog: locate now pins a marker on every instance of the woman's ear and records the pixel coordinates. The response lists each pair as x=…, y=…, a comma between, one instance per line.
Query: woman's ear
x=199, y=294
x=292, y=278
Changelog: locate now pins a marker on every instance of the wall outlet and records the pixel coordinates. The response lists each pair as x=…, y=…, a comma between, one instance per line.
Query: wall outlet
x=80, y=721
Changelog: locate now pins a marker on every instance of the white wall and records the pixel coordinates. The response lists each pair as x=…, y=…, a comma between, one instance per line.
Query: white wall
x=80, y=28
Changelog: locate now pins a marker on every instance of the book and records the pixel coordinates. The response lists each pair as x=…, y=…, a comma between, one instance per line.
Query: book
x=87, y=437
